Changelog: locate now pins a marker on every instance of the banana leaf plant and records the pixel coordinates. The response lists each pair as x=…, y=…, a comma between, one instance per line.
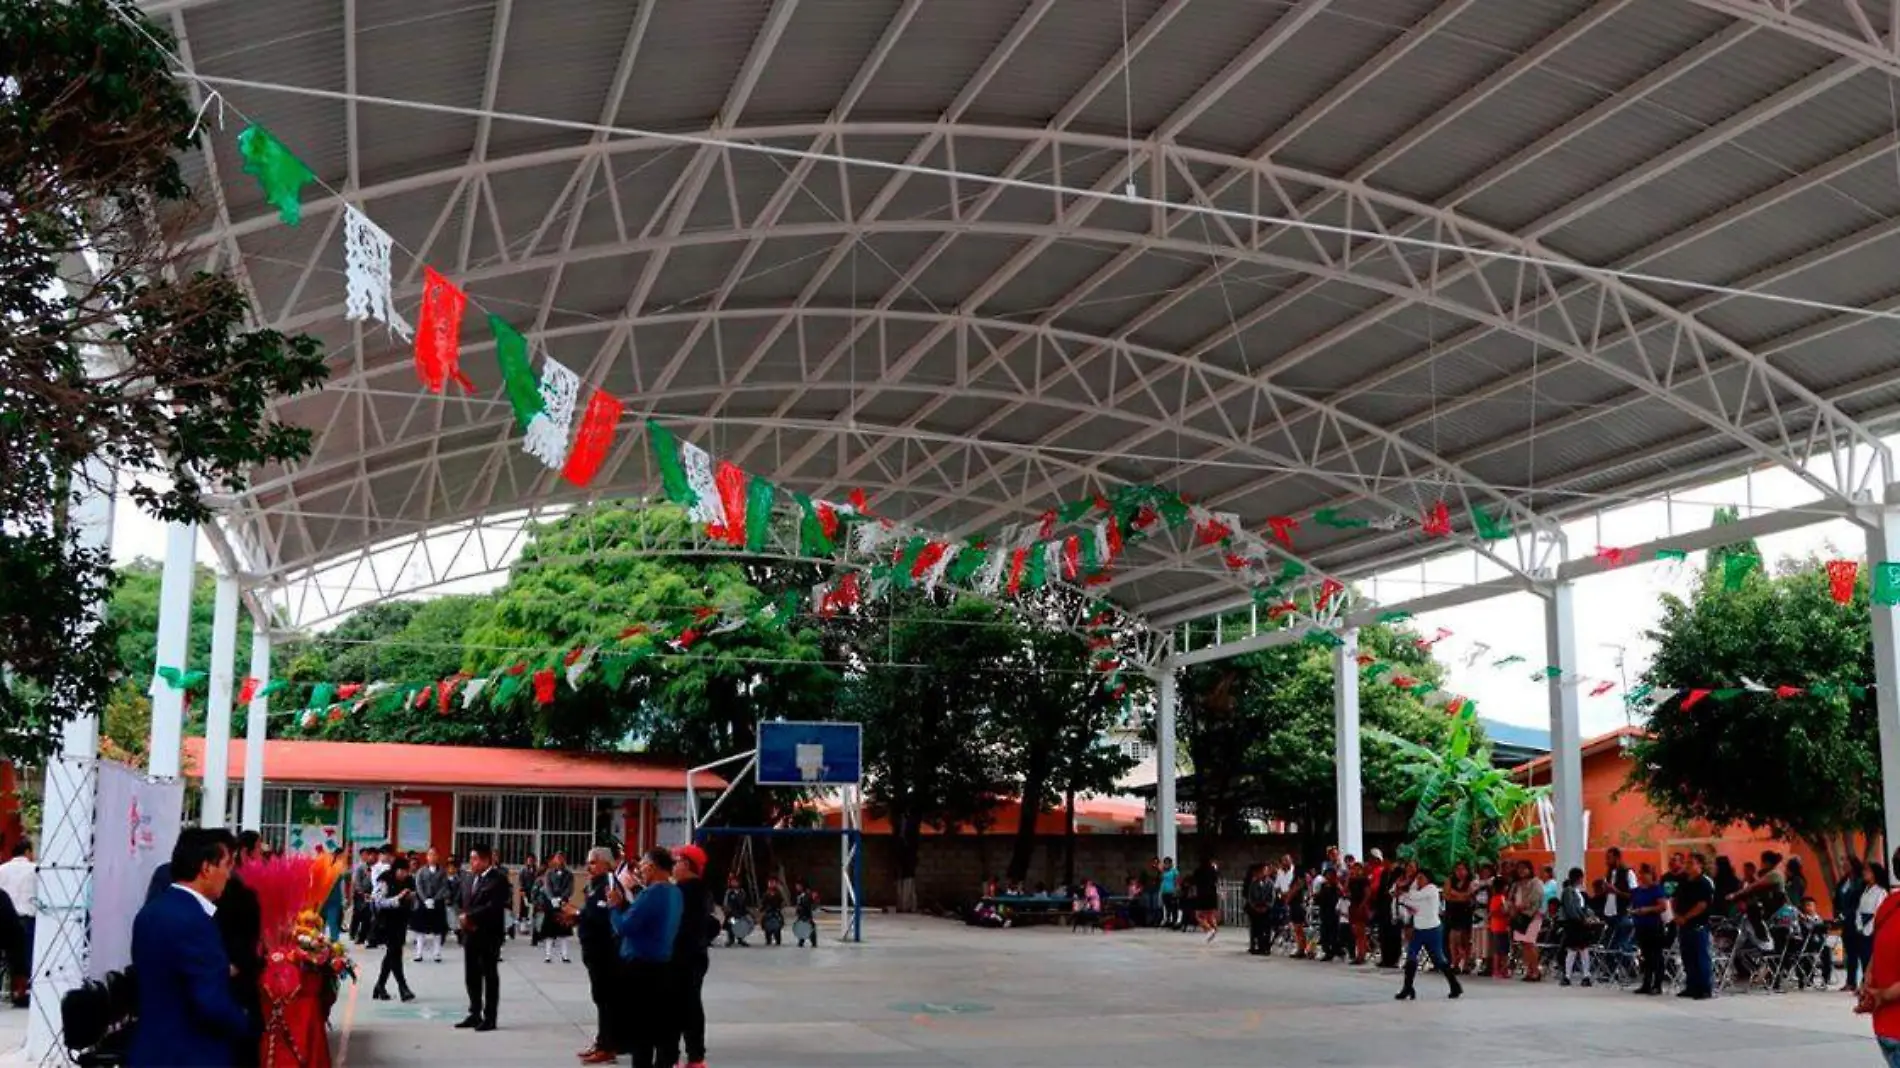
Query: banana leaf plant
x=1463, y=809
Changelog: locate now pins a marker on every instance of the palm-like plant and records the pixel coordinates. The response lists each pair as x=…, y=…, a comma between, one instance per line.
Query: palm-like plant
x=1463, y=808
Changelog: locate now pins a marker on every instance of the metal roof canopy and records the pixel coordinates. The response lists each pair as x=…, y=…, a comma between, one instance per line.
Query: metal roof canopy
x=972, y=352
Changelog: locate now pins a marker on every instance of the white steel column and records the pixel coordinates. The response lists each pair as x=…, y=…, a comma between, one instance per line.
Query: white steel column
x=1350, y=807
x=256, y=728
x=1165, y=700
x=1566, y=742
x=174, y=646
x=217, y=765
x=61, y=945
x=1883, y=546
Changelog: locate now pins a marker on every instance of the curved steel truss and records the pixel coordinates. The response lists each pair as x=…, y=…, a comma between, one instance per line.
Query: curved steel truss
x=976, y=314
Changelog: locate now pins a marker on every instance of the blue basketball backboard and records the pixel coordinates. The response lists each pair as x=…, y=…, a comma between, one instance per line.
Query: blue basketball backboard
x=810, y=754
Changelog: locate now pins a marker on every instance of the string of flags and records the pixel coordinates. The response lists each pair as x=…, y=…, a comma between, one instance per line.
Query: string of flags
x=538, y=677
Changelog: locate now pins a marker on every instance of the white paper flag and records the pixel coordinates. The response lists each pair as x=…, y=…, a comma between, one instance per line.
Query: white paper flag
x=553, y=426
x=366, y=273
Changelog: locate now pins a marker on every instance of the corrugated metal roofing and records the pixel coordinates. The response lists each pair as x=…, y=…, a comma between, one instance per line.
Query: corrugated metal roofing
x=1633, y=139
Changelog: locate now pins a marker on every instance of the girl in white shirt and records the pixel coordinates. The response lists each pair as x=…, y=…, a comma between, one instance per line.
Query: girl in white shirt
x=1422, y=904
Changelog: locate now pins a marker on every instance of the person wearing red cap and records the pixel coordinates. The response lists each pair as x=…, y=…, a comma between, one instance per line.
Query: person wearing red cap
x=690, y=958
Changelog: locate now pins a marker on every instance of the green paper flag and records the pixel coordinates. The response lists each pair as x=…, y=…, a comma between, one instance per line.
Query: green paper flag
x=1291, y=570
x=510, y=685
x=966, y=564
x=1394, y=617
x=666, y=456
x=816, y=525
x=322, y=695
x=1174, y=510
x=1507, y=661
x=1728, y=694
x=1886, y=584
x=279, y=173
x=1677, y=555
x=1324, y=637
x=1075, y=510
x=1736, y=568
x=182, y=680
x=272, y=687
x=1856, y=691
x=1035, y=571
x=1338, y=520
x=1553, y=673
x=907, y=561
x=1488, y=527
x=511, y=352
x=1423, y=689
x=613, y=669
x=758, y=513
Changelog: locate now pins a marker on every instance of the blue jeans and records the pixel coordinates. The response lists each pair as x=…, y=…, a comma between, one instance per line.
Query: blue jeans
x=1697, y=977
x=1432, y=944
x=1890, y=1049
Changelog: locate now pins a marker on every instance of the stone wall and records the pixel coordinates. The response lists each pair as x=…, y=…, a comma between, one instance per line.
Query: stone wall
x=951, y=868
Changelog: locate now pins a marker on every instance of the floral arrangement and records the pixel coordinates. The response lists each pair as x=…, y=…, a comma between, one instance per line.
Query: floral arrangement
x=303, y=966
x=310, y=948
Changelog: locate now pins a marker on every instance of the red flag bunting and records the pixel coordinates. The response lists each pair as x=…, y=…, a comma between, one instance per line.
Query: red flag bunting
x=1048, y=528
x=1602, y=688
x=1611, y=556
x=336, y=713
x=687, y=638
x=1403, y=682
x=1785, y=691
x=927, y=558
x=1366, y=659
x=1437, y=521
x=1275, y=611
x=1840, y=580
x=544, y=686
x=247, y=690
x=842, y=597
x=1454, y=706
x=1114, y=540
x=349, y=690
x=1018, y=560
x=1212, y=530
x=445, y=690
x=424, y=696
x=1329, y=589
x=1695, y=697
x=1071, y=556
x=439, y=334
x=517, y=667
x=567, y=660
x=1234, y=562
x=595, y=436
x=1283, y=527
x=633, y=632
x=730, y=479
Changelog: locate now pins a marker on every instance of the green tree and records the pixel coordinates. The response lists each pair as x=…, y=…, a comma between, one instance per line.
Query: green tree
x=1258, y=730
x=116, y=354
x=923, y=685
x=1463, y=809
x=1805, y=766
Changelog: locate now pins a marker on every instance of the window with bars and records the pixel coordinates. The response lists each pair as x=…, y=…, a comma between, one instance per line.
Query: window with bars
x=517, y=826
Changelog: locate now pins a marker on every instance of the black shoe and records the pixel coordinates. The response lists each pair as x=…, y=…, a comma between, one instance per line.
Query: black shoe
x=408, y=995
x=1684, y=994
x=485, y=1025
x=380, y=995
x=470, y=1021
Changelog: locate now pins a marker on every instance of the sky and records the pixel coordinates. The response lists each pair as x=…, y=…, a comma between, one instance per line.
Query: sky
x=1614, y=611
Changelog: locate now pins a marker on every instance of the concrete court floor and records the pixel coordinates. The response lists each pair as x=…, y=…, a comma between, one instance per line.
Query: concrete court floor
x=934, y=994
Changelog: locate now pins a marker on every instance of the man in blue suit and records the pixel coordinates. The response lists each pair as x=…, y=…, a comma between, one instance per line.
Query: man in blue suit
x=186, y=1015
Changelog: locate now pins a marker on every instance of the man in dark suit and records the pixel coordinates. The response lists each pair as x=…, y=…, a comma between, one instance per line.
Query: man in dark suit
x=483, y=905
x=241, y=926
x=186, y=1015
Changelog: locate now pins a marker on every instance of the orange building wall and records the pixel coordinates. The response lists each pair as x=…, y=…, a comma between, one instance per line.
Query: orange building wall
x=1621, y=816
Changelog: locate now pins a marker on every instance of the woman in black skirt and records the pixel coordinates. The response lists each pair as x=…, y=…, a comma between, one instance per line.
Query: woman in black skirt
x=430, y=920
x=1459, y=891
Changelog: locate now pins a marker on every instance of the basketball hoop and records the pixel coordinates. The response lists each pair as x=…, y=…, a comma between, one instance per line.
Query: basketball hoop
x=811, y=762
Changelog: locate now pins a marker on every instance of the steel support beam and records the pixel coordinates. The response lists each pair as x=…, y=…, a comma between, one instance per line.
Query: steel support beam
x=1566, y=741
x=174, y=648
x=1883, y=547
x=217, y=763
x=1349, y=808
x=1167, y=698
x=256, y=727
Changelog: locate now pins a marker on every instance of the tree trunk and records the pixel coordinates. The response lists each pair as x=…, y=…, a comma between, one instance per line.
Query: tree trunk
x=1035, y=784
x=1068, y=844
x=909, y=841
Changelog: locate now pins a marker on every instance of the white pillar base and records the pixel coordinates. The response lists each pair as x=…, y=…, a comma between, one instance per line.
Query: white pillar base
x=1347, y=775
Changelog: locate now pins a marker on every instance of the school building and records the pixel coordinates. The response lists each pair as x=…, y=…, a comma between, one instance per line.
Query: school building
x=519, y=801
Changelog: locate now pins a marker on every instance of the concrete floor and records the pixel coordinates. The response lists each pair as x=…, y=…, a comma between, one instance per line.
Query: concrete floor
x=930, y=993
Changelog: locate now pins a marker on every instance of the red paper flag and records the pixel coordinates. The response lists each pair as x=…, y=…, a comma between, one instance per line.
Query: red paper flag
x=1018, y=560
x=567, y=660
x=1366, y=659
x=544, y=686
x=1114, y=540
x=1275, y=611
x=1602, y=688
x=349, y=690
x=1454, y=706
x=517, y=667
x=439, y=333
x=1611, y=556
x=1100, y=578
x=1437, y=521
x=446, y=690
x=1695, y=697
x=927, y=558
x=1071, y=556
x=247, y=690
x=595, y=436
x=1048, y=528
x=1403, y=682
x=633, y=632
x=1840, y=580
x=1328, y=589
x=1784, y=691
x=1283, y=527
x=426, y=695
x=730, y=480
x=1234, y=562
x=687, y=638
x=336, y=713
x=1212, y=530
x=841, y=597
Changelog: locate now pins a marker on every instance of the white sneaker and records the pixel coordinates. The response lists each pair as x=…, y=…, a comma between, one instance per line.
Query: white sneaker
x=1211, y=932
